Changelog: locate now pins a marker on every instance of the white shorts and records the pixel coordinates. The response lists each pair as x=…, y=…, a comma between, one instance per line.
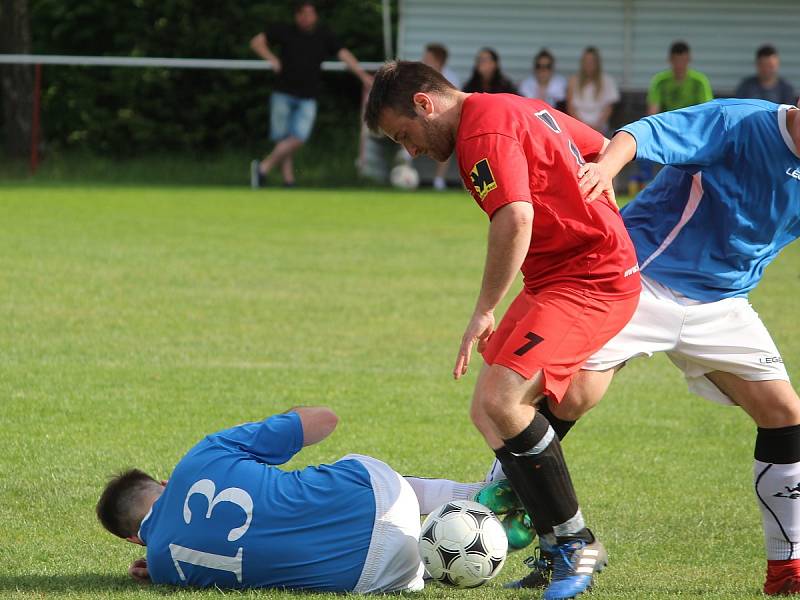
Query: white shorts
x=393, y=563
x=698, y=337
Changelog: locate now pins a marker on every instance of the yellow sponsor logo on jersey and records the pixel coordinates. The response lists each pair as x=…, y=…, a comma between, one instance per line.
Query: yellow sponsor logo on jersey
x=482, y=178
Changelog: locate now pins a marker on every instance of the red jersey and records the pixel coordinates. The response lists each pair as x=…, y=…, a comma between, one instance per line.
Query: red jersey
x=513, y=149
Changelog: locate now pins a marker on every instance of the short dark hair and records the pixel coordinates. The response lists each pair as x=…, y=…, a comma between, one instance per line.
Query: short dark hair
x=394, y=87
x=765, y=51
x=117, y=508
x=679, y=47
x=438, y=51
x=299, y=5
x=544, y=53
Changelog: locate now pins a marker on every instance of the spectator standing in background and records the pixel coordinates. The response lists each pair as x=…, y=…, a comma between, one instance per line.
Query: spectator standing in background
x=435, y=56
x=545, y=84
x=591, y=94
x=487, y=75
x=766, y=84
x=304, y=44
x=679, y=86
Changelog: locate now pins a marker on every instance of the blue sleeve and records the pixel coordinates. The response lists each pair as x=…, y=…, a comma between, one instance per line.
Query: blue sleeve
x=694, y=136
x=273, y=441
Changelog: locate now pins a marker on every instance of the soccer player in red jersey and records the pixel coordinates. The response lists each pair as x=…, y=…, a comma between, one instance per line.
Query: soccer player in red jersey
x=519, y=158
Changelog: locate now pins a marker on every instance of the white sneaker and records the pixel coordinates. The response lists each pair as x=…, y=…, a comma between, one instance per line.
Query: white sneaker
x=439, y=183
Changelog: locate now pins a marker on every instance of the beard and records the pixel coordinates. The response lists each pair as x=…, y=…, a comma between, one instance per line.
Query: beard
x=439, y=140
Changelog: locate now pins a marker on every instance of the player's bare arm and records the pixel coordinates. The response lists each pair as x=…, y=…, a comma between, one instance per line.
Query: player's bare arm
x=509, y=241
x=318, y=422
x=352, y=63
x=596, y=179
x=260, y=46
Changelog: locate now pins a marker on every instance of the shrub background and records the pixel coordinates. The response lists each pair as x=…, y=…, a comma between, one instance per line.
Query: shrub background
x=125, y=112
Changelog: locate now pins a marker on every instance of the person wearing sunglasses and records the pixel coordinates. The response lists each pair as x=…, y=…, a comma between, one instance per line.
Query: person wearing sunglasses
x=545, y=84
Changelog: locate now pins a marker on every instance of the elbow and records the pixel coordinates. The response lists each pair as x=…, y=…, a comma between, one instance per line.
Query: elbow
x=514, y=218
x=328, y=420
x=256, y=41
x=523, y=216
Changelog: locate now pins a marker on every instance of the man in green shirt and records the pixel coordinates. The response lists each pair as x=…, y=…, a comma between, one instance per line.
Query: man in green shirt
x=679, y=86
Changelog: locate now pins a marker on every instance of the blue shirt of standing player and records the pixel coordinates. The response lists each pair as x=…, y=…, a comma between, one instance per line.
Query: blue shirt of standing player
x=729, y=201
x=229, y=518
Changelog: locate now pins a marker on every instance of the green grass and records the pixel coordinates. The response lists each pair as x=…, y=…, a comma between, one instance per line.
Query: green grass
x=135, y=320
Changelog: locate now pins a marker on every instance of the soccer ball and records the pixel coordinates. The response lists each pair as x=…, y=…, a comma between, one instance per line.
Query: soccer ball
x=462, y=544
x=404, y=177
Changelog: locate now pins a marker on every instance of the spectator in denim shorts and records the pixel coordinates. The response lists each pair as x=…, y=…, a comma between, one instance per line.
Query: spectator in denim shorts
x=304, y=44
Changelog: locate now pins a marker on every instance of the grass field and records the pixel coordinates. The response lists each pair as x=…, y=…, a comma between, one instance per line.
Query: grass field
x=135, y=320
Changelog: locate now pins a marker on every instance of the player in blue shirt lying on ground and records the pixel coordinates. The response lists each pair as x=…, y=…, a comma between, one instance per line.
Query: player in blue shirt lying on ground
x=723, y=207
x=229, y=518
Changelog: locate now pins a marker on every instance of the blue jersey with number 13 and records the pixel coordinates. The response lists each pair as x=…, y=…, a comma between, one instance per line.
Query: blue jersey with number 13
x=228, y=518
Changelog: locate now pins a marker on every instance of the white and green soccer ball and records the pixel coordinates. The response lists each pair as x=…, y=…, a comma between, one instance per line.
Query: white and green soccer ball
x=462, y=544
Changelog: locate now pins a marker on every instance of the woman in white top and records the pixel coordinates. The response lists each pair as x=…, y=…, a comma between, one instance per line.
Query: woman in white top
x=545, y=83
x=591, y=94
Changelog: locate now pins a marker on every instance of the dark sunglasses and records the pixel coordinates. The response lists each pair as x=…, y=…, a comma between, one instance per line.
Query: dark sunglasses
x=543, y=66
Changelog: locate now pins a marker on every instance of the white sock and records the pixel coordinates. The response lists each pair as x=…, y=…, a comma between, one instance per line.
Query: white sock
x=495, y=472
x=432, y=493
x=778, y=493
x=571, y=527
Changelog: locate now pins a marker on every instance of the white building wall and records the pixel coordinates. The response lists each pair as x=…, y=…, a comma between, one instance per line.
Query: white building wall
x=633, y=36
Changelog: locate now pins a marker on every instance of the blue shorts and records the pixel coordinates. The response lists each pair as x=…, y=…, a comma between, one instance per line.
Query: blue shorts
x=291, y=116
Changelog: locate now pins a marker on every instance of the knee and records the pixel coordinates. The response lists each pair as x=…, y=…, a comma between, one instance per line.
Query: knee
x=481, y=414
x=781, y=411
x=574, y=405
x=476, y=414
x=585, y=391
x=497, y=407
x=771, y=404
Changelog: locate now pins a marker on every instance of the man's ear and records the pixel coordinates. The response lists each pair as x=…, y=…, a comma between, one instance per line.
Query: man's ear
x=135, y=539
x=423, y=103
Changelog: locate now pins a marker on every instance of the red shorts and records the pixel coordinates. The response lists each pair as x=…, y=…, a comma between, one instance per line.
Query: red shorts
x=555, y=331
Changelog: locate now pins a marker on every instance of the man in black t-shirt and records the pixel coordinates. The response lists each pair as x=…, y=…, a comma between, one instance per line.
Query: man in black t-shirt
x=303, y=44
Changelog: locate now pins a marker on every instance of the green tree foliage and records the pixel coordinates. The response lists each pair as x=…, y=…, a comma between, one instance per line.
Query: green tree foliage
x=129, y=111
x=16, y=81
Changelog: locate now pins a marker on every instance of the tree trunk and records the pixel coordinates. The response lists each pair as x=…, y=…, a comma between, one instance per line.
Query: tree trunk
x=16, y=81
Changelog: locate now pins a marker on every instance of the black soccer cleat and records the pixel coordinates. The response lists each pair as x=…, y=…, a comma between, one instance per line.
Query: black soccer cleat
x=541, y=566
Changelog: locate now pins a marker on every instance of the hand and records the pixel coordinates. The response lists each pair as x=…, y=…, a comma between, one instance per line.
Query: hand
x=138, y=570
x=594, y=182
x=480, y=327
x=276, y=64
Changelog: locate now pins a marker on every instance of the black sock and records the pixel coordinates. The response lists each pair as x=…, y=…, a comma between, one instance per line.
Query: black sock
x=516, y=477
x=780, y=445
x=560, y=426
x=544, y=481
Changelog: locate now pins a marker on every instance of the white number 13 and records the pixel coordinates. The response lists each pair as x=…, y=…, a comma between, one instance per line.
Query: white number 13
x=232, y=564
